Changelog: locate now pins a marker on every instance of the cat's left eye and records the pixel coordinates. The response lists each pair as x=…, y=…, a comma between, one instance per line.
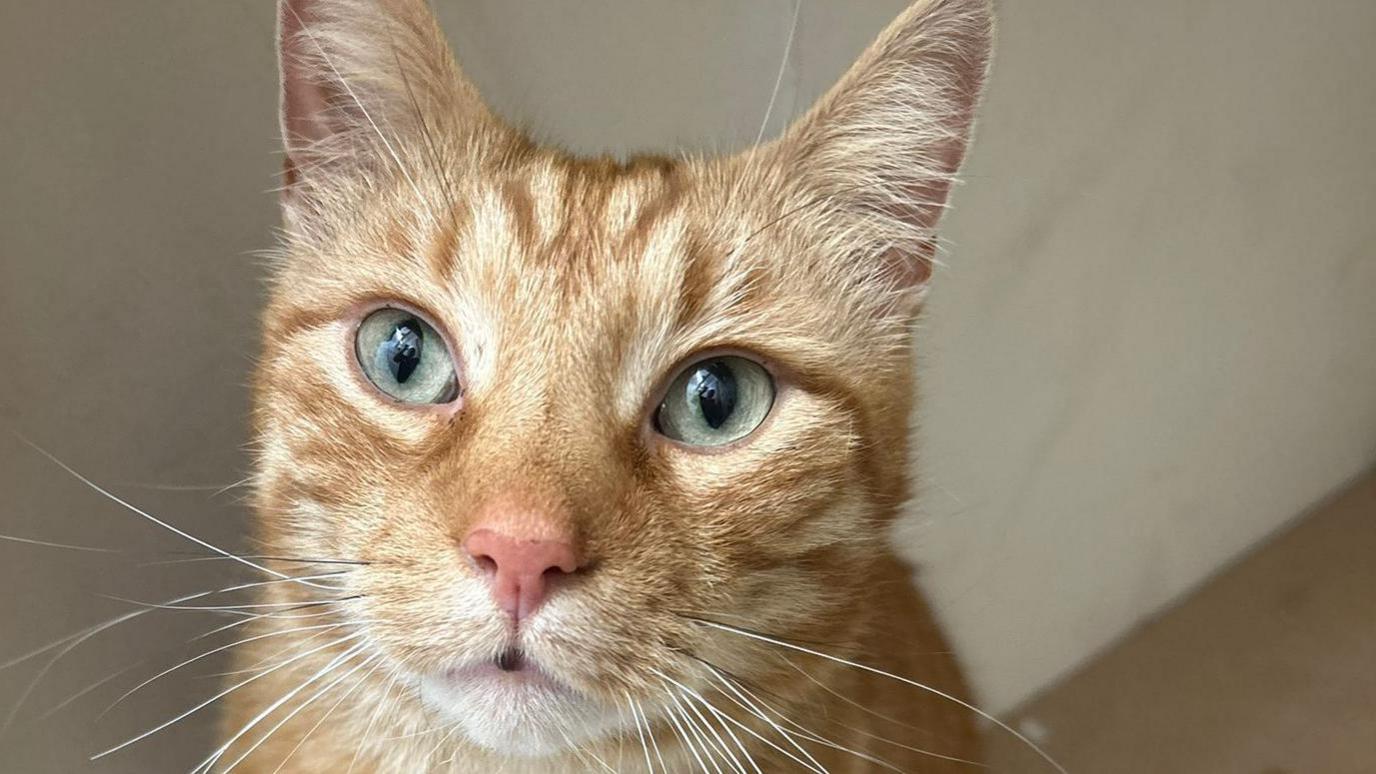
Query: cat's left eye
x=716, y=401
x=406, y=358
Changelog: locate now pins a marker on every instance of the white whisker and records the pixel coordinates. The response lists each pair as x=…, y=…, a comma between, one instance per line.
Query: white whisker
x=214, y=489
x=810, y=764
x=873, y=670
x=582, y=750
x=221, y=695
x=212, y=652
x=358, y=683
x=135, y=509
x=261, y=663
x=309, y=700
x=640, y=731
x=367, y=731
x=680, y=732
x=72, y=641
x=231, y=608
x=709, y=750
x=650, y=729
x=51, y=544
x=265, y=557
x=727, y=728
x=783, y=67
x=721, y=744
x=453, y=728
x=102, y=681
x=862, y=732
x=276, y=616
x=811, y=736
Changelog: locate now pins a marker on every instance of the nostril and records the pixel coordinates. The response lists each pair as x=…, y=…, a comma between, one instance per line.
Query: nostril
x=555, y=575
x=561, y=562
x=485, y=550
x=486, y=564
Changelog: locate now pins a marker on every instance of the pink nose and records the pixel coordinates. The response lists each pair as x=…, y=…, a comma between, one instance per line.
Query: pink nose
x=520, y=570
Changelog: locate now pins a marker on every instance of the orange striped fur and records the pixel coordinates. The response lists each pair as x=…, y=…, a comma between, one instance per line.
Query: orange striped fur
x=570, y=291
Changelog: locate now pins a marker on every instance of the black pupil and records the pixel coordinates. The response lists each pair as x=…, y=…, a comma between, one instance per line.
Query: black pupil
x=713, y=386
x=401, y=350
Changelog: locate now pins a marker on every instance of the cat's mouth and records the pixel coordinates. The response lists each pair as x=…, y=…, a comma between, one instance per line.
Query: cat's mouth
x=512, y=673
x=511, y=660
x=511, y=703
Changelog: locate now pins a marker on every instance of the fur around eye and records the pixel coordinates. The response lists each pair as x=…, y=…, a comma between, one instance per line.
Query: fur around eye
x=406, y=358
x=716, y=401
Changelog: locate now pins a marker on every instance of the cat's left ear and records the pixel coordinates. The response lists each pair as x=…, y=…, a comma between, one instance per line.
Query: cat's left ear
x=879, y=152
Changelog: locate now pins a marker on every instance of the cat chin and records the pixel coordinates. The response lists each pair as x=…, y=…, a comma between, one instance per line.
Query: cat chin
x=528, y=715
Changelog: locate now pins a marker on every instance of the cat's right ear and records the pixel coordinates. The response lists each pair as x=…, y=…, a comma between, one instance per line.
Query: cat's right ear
x=366, y=85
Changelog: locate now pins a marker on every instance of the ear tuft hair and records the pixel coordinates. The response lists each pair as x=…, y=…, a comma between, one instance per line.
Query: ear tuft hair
x=364, y=84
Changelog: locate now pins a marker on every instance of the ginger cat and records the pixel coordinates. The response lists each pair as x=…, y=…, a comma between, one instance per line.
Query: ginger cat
x=576, y=464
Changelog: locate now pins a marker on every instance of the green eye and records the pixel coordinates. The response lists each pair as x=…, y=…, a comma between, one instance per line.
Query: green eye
x=716, y=401
x=406, y=358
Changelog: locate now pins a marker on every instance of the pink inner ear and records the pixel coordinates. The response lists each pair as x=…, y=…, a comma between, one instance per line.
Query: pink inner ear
x=304, y=98
x=910, y=267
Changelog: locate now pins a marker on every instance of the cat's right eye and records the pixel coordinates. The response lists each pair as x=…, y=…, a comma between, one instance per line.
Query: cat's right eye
x=406, y=358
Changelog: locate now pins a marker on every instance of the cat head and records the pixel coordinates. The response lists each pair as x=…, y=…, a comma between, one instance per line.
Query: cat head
x=565, y=411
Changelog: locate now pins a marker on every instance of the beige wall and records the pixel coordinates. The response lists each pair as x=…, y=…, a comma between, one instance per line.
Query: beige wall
x=1157, y=339
x=1153, y=344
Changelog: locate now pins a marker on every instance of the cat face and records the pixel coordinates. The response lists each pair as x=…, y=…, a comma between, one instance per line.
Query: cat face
x=564, y=411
